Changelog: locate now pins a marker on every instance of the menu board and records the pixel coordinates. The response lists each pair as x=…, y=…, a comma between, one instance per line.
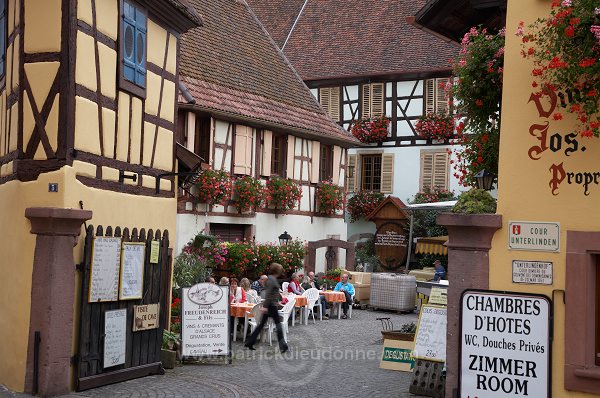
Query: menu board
x=205, y=320
x=104, y=273
x=115, y=324
x=430, y=338
x=132, y=271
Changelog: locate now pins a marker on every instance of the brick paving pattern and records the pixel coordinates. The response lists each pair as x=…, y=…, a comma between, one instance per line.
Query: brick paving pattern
x=332, y=358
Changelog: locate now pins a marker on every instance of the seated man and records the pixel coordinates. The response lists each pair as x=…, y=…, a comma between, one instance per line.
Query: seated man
x=440, y=271
x=259, y=284
x=345, y=287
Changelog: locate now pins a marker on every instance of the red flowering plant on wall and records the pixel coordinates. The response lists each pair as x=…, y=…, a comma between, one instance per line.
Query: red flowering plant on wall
x=330, y=197
x=282, y=194
x=565, y=49
x=436, y=126
x=363, y=203
x=250, y=193
x=476, y=93
x=371, y=129
x=214, y=187
x=242, y=257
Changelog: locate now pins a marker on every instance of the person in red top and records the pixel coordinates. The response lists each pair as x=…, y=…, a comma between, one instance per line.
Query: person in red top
x=236, y=293
x=294, y=286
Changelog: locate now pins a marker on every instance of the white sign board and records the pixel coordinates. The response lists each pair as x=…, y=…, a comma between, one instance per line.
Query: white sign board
x=132, y=271
x=505, y=345
x=115, y=326
x=534, y=236
x=430, y=338
x=205, y=320
x=106, y=262
x=534, y=272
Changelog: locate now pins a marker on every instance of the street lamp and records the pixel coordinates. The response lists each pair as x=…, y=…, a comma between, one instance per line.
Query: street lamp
x=284, y=238
x=485, y=180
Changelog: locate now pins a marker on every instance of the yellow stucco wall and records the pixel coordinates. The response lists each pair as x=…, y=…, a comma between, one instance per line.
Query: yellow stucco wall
x=109, y=208
x=43, y=21
x=525, y=192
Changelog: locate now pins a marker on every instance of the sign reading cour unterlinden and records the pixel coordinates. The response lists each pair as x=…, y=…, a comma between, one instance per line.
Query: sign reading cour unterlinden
x=534, y=236
x=505, y=345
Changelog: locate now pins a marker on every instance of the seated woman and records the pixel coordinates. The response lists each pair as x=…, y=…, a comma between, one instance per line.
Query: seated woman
x=251, y=294
x=236, y=293
x=294, y=286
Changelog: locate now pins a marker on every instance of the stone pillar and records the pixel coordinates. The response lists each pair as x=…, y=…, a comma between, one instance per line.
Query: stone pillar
x=53, y=296
x=470, y=239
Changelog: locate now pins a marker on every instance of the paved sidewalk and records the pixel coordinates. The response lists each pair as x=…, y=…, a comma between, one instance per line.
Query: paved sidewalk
x=334, y=358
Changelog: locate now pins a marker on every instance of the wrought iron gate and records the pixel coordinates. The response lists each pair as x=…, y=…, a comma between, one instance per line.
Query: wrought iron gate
x=142, y=354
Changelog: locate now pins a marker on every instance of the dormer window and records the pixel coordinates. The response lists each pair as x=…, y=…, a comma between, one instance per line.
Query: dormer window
x=133, y=48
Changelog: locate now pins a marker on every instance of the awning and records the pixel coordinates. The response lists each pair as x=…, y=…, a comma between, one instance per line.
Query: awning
x=189, y=165
x=432, y=245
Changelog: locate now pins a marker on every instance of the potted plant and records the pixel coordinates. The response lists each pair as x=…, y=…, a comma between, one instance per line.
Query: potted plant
x=168, y=355
x=249, y=192
x=330, y=198
x=282, y=194
x=213, y=187
x=363, y=203
x=405, y=333
x=565, y=49
x=435, y=126
x=371, y=129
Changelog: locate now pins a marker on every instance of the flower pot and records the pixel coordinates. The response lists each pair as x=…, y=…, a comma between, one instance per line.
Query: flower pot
x=397, y=335
x=168, y=358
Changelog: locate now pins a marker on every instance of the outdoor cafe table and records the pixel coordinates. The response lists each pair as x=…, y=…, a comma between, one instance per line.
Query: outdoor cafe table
x=336, y=298
x=238, y=310
x=301, y=302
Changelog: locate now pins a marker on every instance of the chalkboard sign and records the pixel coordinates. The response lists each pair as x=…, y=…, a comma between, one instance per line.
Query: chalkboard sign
x=115, y=324
x=205, y=320
x=430, y=338
x=104, y=277
x=132, y=271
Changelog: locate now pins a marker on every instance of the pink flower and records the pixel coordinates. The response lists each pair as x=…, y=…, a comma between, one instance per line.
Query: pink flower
x=566, y=3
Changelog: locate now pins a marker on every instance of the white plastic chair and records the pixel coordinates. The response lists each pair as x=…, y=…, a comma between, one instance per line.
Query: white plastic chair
x=253, y=322
x=284, y=314
x=312, y=297
x=284, y=288
x=253, y=297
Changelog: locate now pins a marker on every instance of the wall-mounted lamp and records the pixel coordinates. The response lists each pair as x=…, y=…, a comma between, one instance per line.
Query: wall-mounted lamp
x=485, y=180
x=123, y=177
x=285, y=238
x=350, y=171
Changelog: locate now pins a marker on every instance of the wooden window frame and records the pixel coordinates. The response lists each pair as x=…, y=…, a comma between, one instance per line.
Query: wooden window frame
x=279, y=165
x=325, y=162
x=374, y=174
x=582, y=372
x=4, y=33
x=202, y=141
x=125, y=84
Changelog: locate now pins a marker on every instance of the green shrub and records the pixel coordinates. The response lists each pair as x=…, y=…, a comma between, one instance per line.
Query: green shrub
x=475, y=201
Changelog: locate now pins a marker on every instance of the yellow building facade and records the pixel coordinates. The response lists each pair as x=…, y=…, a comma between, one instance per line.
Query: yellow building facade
x=546, y=174
x=88, y=103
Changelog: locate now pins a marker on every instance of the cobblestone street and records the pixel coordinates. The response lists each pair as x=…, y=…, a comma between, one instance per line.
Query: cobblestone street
x=334, y=358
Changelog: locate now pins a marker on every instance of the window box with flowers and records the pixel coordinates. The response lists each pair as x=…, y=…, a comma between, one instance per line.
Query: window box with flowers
x=363, y=203
x=435, y=126
x=282, y=194
x=330, y=198
x=213, y=187
x=371, y=129
x=249, y=192
x=565, y=49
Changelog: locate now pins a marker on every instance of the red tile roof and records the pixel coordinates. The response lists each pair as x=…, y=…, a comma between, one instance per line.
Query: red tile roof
x=335, y=39
x=231, y=66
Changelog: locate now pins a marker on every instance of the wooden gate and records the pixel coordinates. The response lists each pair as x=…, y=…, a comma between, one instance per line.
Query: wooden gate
x=142, y=348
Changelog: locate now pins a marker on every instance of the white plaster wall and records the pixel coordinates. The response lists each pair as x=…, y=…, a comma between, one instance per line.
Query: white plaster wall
x=268, y=229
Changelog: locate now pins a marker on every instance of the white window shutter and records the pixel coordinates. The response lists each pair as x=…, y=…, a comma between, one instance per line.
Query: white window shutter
x=429, y=96
x=351, y=181
x=243, y=150
x=441, y=167
x=330, y=101
x=387, y=173
x=377, y=99
x=291, y=158
x=267, y=147
x=335, y=170
x=426, y=172
x=315, y=161
x=442, y=104
x=366, y=100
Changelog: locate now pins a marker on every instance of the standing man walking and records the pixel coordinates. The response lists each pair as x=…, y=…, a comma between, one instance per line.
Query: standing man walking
x=272, y=298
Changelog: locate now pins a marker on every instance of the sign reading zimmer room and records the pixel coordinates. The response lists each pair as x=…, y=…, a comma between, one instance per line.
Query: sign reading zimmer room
x=534, y=236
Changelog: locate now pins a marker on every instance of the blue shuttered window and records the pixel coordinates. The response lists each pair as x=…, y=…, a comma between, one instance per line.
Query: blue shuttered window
x=134, y=44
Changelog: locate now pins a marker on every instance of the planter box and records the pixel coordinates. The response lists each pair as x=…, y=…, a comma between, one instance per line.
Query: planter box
x=168, y=358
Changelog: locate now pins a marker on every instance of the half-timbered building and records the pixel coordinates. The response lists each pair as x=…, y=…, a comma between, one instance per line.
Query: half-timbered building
x=362, y=59
x=244, y=110
x=87, y=118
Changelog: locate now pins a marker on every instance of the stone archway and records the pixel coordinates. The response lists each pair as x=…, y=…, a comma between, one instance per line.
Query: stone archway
x=331, y=244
